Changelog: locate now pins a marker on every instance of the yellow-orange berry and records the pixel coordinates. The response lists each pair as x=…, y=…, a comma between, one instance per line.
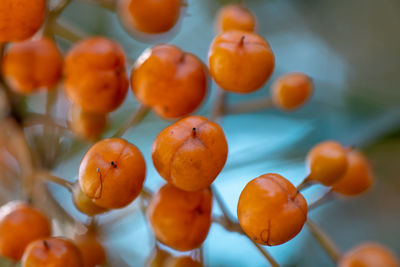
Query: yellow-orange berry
x=170, y=81
x=327, y=162
x=52, y=252
x=20, y=19
x=291, y=91
x=20, y=224
x=32, y=65
x=85, y=204
x=92, y=250
x=86, y=124
x=369, y=255
x=112, y=173
x=190, y=153
x=240, y=62
x=180, y=219
x=270, y=210
x=150, y=16
x=95, y=75
x=358, y=177
x=235, y=17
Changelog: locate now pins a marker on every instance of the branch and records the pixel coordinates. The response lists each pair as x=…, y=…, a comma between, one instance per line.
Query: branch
x=136, y=118
x=249, y=106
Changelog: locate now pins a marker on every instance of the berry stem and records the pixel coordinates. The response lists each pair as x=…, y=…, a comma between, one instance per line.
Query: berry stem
x=218, y=108
x=137, y=117
x=324, y=240
x=324, y=199
x=306, y=183
x=55, y=179
x=67, y=31
x=249, y=106
x=241, y=41
x=106, y=4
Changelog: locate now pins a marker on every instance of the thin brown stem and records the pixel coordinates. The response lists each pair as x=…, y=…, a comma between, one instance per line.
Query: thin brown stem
x=60, y=8
x=306, y=183
x=218, y=108
x=249, y=106
x=136, y=118
x=324, y=199
x=325, y=241
x=265, y=253
x=221, y=204
x=106, y=4
x=68, y=32
x=55, y=179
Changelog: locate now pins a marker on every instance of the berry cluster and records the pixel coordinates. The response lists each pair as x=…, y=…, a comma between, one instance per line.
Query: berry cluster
x=189, y=154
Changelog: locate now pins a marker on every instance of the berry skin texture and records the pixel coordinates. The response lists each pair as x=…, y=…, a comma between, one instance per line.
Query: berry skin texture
x=327, y=162
x=20, y=19
x=291, y=91
x=95, y=76
x=369, y=255
x=170, y=81
x=240, y=62
x=190, y=153
x=270, y=210
x=31, y=65
x=150, y=16
x=85, y=204
x=180, y=219
x=87, y=125
x=52, y=252
x=92, y=250
x=358, y=177
x=20, y=224
x=235, y=17
x=112, y=173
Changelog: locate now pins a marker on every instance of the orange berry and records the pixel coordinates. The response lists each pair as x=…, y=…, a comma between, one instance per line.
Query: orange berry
x=95, y=76
x=20, y=224
x=190, y=153
x=150, y=16
x=169, y=80
x=112, y=173
x=270, y=210
x=184, y=261
x=20, y=19
x=86, y=124
x=85, y=204
x=92, y=250
x=369, y=255
x=33, y=64
x=327, y=162
x=180, y=219
x=235, y=17
x=52, y=252
x=358, y=177
x=292, y=90
x=240, y=62
x=157, y=258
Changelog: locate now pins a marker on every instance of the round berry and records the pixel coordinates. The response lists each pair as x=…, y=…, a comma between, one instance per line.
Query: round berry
x=85, y=204
x=291, y=91
x=20, y=224
x=95, y=76
x=240, y=62
x=369, y=255
x=20, y=19
x=32, y=65
x=92, y=250
x=52, y=252
x=235, y=17
x=180, y=219
x=112, y=173
x=270, y=210
x=327, y=162
x=358, y=177
x=150, y=16
x=87, y=125
x=170, y=81
x=190, y=153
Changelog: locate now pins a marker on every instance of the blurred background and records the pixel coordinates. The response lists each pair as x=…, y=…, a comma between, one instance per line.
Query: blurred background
x=350, y=49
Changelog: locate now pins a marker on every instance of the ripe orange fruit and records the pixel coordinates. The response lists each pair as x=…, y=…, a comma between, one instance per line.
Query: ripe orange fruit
x=20, y=224
x=180, y=219
x=170, y=81
x=85, y=204
x=270, y=210
x=235, y=17
x=20, y=19
x=190, y=153
x=150, y=16
x=240, y=62
x=292, y=90
x=86, y=124
x=95, y=76
x=50, y=252
x=92, y=250
x=327, y=162
x=358, y=177
x=369, y=255
x=112, y=173
x=32, y=65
